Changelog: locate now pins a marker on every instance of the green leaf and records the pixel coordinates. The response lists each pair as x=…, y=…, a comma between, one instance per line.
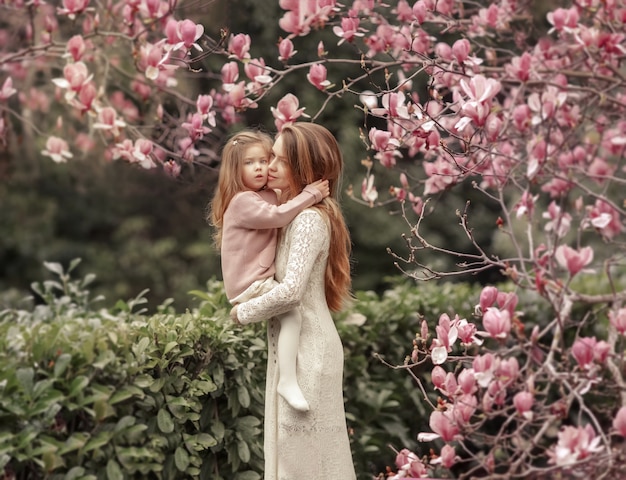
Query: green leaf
x=143, y=381
x=247, y=475
x=61, y=364
x=125, y=393
x=164, y=421
x=54, y=267
x=169, y=347
x=75, y=442
x=78, y=385
x=75, y=473
x=181, y=458
x=243, y=396
x=244, y=451
x=114, y=472
x=25, y=377
x=101, y=439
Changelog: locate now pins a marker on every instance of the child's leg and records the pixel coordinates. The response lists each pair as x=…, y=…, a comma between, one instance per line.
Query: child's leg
x=288, y=340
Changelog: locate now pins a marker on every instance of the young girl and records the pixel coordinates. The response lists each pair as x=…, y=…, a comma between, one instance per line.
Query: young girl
x=247, y=217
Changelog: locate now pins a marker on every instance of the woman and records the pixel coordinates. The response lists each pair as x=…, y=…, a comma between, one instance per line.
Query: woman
x=313, y=270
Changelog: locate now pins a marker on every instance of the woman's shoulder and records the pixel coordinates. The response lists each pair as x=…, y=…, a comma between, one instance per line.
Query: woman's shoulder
x=310, y=216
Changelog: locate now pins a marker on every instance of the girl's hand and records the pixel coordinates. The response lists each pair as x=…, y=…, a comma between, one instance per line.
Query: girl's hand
x=233, y=315
x=323, y=186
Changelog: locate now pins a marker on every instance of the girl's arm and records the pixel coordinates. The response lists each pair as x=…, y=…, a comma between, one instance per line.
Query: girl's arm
x=308, y=236
x=256, y=212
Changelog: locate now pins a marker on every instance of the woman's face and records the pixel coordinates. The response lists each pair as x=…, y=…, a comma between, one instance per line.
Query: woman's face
x=279, y=174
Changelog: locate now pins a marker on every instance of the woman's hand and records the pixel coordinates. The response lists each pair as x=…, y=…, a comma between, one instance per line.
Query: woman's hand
x=323, y=186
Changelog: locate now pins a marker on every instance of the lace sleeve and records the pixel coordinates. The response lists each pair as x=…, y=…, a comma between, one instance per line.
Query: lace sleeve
x=307, y=235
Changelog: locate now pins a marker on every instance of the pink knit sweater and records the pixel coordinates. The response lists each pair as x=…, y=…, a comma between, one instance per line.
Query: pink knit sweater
x=250, y=231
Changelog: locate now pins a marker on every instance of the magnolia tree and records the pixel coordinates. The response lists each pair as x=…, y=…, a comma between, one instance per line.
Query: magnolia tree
x=526, y=108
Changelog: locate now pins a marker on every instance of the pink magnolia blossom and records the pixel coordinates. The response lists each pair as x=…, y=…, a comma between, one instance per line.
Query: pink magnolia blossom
x=484, y=368
x=393, y=106
x=57, y=149
x=488, y=297
x=409, y=465
x=546, y=104
x=204, y=104
x=618, y=320
x=606, y=219
x=76, y=47
x=75, y=75
x=286, y=50
x=583, y=351
x=239, y=46
x=468, y=333
x=520, y=67
x=317, y=76
x=195, y=126
x=619, y=422
x=420, y=11
x=442, y=174
x=230, y=74
x=380, y=139
x=464, y=408
x=321, y=51
x=563, y=19
x=438, y=377
x=467, y=381
x=287, y=111
x=575, y=443
x=480, y=92
x=497, y=322
x=522, y=117
x=559, y=222
x=153, y=59
x=71, y=8
x=461, y=50
x=257, y=71
x=348, y=30
x=7, y=89
x=109, y=121
x=447, y=335
x=444, y=425
x=523, y=402
x=86, y=97
x=448, y=456
x=368, y=190
x=417, y=204
x=189, y=33
x=573, y=260
x=526, y=205
x=172, y=168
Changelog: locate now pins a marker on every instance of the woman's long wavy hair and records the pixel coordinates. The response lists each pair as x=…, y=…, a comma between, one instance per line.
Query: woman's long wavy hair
x=230, y=180
x=313, y=153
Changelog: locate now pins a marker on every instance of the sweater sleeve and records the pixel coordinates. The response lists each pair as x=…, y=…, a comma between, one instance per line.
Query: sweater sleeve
x=308, y=234
x=257, y=213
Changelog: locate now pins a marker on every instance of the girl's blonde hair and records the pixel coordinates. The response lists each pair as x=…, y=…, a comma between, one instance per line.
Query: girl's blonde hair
x=230, y=180
x=313, y=153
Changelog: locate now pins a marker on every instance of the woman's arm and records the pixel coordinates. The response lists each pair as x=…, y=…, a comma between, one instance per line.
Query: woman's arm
x=308, y=235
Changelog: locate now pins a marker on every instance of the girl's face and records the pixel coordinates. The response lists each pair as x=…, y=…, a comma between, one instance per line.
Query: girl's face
x=279, y=175
x=254, y=168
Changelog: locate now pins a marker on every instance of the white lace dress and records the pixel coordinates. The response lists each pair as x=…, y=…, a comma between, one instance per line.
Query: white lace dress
x=312, y=445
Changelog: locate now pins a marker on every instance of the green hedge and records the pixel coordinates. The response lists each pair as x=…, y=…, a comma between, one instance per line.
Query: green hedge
x=91, y=393
x=97, y=394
